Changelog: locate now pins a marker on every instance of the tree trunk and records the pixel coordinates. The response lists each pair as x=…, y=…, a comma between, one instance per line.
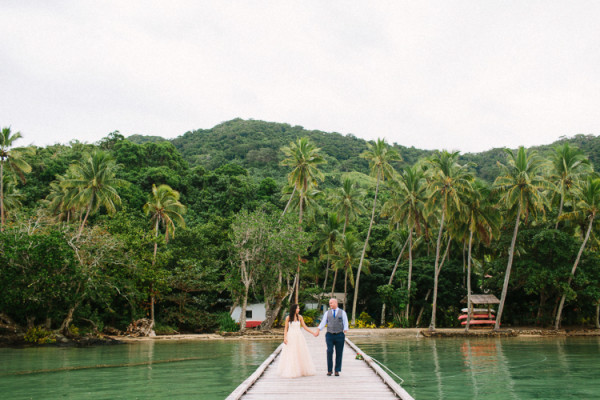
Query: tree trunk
x=244, y=306
x=511, y=253
x=152, y=297
x=334, y=281
x=598, y=315
x=152, y=301
x=560, y=208
x=271, y=316
x=289, y=201
x=409, y=273
x=326, y=276
x=437, y=269
x=345, y=223
x=469, y=282
x=362, y=257
x=64, y=327
x=87, y=213
x=345, y=287
x=540, y=313
x=422, y=308
x=300, y=228
x=1, y=196
x=562, y=300
x=392, y=279
x=233, y=306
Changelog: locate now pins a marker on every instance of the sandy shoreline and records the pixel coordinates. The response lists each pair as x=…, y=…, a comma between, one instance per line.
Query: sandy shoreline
x=277, y=334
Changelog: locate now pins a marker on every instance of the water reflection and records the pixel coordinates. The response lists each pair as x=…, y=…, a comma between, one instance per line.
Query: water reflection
x=181, y=370
x=438, y=372
x=492, y=368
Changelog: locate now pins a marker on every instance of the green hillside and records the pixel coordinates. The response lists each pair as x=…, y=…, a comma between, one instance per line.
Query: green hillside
x=255, y=145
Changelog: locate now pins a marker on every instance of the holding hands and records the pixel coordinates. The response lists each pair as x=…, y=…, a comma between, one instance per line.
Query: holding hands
x=316, y=333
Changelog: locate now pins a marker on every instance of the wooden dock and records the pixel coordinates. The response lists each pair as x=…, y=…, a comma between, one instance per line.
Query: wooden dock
x=359, y=379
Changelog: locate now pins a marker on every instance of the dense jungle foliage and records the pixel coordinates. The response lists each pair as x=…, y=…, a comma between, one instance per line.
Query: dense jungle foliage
x=180, y=231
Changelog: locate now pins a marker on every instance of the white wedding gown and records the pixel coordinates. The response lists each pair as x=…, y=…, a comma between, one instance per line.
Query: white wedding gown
x=295, y=359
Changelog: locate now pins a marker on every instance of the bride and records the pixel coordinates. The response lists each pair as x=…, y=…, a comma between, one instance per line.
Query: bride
x=295, y=359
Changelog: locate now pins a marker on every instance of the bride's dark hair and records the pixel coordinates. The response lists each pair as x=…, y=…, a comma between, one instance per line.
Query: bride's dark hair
x=293, y=309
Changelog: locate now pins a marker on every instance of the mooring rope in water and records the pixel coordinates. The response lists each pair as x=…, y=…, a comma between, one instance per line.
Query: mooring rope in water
x=389, y=370
x=137, y=364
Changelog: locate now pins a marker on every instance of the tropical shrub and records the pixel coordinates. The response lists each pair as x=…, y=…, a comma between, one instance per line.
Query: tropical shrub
x=226, y=323
x=39, y=335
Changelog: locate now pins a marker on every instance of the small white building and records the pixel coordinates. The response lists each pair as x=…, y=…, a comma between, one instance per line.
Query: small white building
x=256, y=313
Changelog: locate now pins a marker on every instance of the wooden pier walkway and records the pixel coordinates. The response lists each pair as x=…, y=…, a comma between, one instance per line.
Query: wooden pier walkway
x=359, y=379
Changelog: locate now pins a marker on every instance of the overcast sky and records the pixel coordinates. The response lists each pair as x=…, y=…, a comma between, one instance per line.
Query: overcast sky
x=457, y=75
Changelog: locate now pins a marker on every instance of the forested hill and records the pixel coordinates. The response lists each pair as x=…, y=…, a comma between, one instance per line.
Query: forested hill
x=256, y=146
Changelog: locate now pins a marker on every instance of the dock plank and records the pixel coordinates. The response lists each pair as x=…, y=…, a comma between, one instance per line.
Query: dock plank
x=359, y=379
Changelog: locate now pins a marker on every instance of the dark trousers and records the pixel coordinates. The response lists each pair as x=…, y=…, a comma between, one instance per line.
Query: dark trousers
x=337, y=341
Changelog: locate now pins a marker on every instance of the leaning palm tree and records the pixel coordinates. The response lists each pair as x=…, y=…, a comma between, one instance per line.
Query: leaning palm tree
x=347, y=201
x=346, y=257
x=521, y=185
x=327, y=236
x=13, y=160
x=407, y=207
x=568, y=164
x=94, y=178
x=164, y=209
x=587, y=208
x=379, y=155
x=448, y=181
x=304, y=158
x=483, y=223
x=399, y=241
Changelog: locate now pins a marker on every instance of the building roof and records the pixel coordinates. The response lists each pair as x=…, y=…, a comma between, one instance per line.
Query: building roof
x=483, y=299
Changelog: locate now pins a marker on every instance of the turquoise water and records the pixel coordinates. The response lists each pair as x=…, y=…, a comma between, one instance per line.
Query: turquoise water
x=448, y=368
x=489, y=369
x=152, y=370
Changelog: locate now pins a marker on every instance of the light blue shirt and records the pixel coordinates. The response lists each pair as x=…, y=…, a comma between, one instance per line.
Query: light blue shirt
x=337, y=310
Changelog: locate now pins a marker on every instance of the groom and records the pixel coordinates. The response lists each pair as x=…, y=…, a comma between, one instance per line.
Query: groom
x=337, y=325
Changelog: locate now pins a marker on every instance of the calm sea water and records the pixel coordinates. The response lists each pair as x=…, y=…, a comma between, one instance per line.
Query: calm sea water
x=489, y=369
x=150, y=370
x=486, y=369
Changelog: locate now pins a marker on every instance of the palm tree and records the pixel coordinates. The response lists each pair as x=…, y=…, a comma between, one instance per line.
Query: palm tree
x=448, y=181
x=164, y=209
x=379, y=155
x=347, y=201
x=304, y=158
x=327, y=237
x=483, y=224
x=346, y=257
x=407, y=206
x=13, y=159
x=59, y=199
x=588, y=208
x=94, y=179
x=521, y=185
x=568, y=164
x=398, y=238
x=12, y=196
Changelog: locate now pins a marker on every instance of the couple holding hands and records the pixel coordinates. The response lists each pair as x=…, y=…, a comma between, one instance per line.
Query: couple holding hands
x=295, y=358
